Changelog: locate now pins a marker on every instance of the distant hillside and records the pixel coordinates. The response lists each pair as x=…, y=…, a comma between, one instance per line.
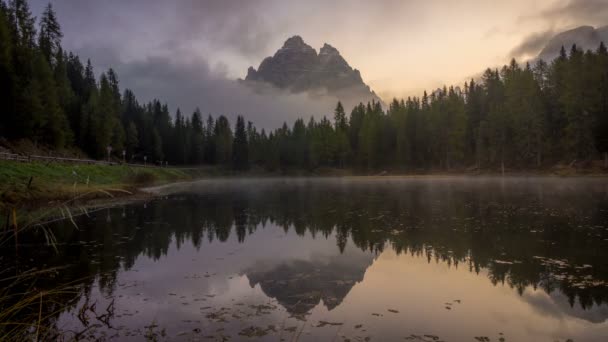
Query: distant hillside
x=585, y=37
x=298, y=68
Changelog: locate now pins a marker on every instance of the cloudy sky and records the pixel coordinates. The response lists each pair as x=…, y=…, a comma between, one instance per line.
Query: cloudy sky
x=187, y=51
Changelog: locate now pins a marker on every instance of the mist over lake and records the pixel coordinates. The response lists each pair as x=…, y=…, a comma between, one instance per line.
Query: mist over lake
x=384, y=258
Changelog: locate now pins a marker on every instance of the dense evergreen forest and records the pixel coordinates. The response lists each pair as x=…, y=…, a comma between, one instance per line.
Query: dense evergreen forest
x=518, y=117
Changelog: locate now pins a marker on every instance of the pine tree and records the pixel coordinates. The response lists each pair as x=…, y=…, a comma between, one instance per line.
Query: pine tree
x=357, y=117
x=27, y=112
x=56, y=129
x=340, y=118
x=300, y=144
x=65, y=96
x=223, y=139
x=524, y=111
x=475, y=116
x=49, y=38
x=23, y=23
x=161, y=120
x=282, y=137
x=210, y=155
x=322, y=146
x=32, y=119
x=255, y=142
x=455, y=122
x=600, y=69
x=132, y=139
x=579, y=128
x=90, y=84
x=157, y=147
x=70, y=72
x=493, y=128
x=65, y=93
x=272, y=157
x=102, y=119
x=113, y=83
x=131, y=111
x=240, y=146
x=89, y=113
x=7, y=81
x=197, y=138
x=178, y=146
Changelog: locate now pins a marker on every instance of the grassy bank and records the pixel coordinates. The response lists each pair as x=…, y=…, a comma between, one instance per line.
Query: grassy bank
x=38, y=183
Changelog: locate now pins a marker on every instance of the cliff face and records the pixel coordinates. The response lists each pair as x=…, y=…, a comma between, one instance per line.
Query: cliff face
x=298, y=68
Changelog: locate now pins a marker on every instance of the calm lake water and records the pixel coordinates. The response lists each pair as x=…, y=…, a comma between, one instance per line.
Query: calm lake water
x=355, y=259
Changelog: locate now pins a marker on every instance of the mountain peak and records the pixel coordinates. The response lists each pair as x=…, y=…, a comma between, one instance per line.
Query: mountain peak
x=329, y=50
x=296, y=45
x=297, y=67
x=294, y=41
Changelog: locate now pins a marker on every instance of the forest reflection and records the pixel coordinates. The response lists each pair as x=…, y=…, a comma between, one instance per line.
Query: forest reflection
x=521, y=233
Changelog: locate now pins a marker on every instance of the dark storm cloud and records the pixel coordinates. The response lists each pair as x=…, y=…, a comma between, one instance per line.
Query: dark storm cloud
x=241, y=25
x=594, y=12
x=188, y=53
x=532, y=44
x=161, y=49
x=563, y=16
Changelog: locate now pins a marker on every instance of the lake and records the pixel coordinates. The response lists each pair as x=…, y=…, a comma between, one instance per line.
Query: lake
x=337, y=259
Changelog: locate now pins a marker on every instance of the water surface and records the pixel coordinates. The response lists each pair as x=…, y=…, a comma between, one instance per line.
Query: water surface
x=355, y=259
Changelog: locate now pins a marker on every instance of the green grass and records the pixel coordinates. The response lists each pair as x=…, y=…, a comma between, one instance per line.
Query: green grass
x=33, y=193
x=60, y=181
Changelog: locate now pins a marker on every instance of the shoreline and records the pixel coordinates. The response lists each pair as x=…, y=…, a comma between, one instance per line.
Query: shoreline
x=34, y=185
x=30, y=186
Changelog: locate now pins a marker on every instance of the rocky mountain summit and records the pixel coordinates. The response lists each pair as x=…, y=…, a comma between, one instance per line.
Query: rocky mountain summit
x=297, y=67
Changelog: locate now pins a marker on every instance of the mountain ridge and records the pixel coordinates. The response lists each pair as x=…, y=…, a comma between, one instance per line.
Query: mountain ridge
x=297, y=67
x=585, y=37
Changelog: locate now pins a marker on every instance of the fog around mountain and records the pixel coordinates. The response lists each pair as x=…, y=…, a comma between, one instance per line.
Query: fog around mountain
x=298, y=68
x=547, y=44
x=585, y=37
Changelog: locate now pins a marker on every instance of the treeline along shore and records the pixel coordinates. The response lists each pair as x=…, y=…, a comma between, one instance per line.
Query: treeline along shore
x=518, y=117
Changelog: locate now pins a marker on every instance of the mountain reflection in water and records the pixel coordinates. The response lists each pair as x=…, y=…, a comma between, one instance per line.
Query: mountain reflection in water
x=385, y=258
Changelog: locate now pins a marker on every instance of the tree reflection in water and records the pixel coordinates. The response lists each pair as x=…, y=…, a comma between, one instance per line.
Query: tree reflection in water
x=524, y=233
